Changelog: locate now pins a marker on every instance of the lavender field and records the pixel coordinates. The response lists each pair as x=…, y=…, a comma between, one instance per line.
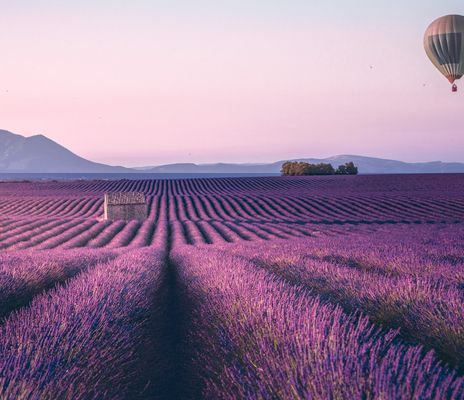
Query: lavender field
x=341, y=287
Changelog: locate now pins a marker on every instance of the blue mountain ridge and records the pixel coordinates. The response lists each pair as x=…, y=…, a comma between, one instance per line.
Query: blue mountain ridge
x=39, y=154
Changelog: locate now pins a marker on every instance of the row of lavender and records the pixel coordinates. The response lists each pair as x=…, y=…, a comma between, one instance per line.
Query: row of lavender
x=23, y=275
x=410, y=278
x=245, y=333
x=251, y=207
x=256, y=336
x=440, y=185
x=76, y=233
x=92, y=337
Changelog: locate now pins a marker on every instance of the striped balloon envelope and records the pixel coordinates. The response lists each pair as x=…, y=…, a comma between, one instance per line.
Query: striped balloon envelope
x=444, y=45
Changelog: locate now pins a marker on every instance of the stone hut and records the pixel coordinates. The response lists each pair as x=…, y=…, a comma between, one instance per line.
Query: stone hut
x=125, y=206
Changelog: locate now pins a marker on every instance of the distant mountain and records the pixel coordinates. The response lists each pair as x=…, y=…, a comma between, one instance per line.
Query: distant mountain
x=366, y=165
x=38, y=154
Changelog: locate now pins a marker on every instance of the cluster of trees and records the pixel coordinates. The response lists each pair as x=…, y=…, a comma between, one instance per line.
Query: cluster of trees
x=297, y=168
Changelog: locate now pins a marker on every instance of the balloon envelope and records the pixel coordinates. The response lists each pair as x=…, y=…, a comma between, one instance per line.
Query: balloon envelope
x=444, y=44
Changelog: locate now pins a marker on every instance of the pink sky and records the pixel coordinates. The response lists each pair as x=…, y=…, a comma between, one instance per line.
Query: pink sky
x=157, y=82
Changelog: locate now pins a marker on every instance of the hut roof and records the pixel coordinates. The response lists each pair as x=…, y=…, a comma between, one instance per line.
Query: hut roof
x=120, y=198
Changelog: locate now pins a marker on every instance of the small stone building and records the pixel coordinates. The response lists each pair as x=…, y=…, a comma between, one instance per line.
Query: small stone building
x=125, y=206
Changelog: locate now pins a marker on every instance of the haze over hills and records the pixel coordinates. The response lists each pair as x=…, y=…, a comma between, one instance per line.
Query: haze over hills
x=366, y=165
x=38, y=154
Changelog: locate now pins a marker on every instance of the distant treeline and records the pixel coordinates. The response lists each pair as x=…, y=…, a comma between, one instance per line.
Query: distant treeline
x=296, y=168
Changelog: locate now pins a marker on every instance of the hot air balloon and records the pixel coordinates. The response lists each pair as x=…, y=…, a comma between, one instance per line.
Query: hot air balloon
x=444, y=44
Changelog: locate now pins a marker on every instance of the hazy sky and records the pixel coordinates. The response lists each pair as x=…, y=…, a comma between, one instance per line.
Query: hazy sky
x=141, y=82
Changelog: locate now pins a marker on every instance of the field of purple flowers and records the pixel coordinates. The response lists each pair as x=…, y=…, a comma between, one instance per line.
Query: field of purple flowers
x=241, y=288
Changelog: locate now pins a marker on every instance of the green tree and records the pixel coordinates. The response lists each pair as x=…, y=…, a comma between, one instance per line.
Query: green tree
x=298, y=168
x=347, y=169
x=351, y=168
